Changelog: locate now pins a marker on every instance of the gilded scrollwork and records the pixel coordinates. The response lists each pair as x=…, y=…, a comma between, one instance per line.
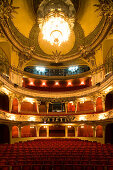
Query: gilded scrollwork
x=105, y=7
x=7, y=9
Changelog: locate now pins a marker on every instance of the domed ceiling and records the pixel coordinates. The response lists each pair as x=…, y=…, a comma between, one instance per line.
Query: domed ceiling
x=22, y=27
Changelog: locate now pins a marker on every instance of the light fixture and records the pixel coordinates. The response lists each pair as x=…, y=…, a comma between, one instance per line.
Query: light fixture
x=82, y=83
x=55, y=29
x=56, y=83
x=73, y=68
x=31, y=83
x=82, y=126
x=32, y=119
x=12, y=117
x=101, y=116
x=69, y=83
x=82, y=117
x=56, y=20
x=43, y=84
x=28, y=99
x=40, y=69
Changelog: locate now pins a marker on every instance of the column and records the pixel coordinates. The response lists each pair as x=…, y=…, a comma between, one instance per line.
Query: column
x=37, y=131
x=47, y=105
x=37, y=106
x=66, y=107
x=10, y=103
x=94, y=104
x=66, y=131
x=19, y=131
x=19, y=106
x=47, y=131
x=103, y=103
x=94, y=131
x=76, y=131
x=75, y=103
x=10, y=133
x=93, y=99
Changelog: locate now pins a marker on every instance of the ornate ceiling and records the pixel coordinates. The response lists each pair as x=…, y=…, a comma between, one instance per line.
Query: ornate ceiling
x=93, y=19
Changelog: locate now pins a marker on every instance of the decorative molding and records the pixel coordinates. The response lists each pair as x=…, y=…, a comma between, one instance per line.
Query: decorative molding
x=32, y=46
x=23, y=58
x=88, y=118
x=7, y=9
x=105, y=7
x=57, y=96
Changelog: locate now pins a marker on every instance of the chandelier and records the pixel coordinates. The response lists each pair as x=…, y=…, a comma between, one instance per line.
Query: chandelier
x=55, y=22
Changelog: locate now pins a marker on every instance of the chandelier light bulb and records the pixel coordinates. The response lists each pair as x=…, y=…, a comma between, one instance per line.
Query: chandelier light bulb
x=55, y=30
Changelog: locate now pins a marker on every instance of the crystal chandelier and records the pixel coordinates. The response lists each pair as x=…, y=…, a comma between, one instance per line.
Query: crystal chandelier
x=55, y=22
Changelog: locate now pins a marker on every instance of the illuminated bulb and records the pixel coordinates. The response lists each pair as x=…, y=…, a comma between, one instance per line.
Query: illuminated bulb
x=12, y=117
x=43, y=84
x=40, y=69
x=101, y=117
x=82, y=126
x=55, y=30
x=82, y=118
x=82, y=83
x=28, y=99
x=31, y=127
x=31, y=83
x=69, y=126
x=73, y=68
x=71, y=102
x=69, y=84
x=57, y=83
x=45, y=126
x=32, y=119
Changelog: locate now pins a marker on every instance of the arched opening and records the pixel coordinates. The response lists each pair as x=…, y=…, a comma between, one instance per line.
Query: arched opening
x=99, y=131
x=43, y=131
x=15, y=106
x=71, y=107
x=85, y=107
x=109, y=133
x=71, y=131
x=28, y=107
x=4, y=102
x=109, y=101
x=57, y=131
x=42, y=107
x=28, y=131
x=85, y=131
x=4, y=134
x=99, y=105
x=14, y=132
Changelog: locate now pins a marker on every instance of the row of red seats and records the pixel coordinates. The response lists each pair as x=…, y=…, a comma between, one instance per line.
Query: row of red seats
x=57, y=167
x=53, y=152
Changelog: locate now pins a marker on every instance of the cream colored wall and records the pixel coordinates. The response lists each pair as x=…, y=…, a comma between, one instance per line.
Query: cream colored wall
x=88, y=18
x=14, y=58
x=6, y=47
x=24, y=19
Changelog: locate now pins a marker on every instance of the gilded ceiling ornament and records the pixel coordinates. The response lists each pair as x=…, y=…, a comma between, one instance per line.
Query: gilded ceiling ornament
x=6, y=9
x=56, y=56
x=23, y=58
x=105, y=7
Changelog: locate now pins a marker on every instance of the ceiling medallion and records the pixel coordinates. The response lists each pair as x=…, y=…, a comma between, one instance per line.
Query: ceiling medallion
x=56, y=20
